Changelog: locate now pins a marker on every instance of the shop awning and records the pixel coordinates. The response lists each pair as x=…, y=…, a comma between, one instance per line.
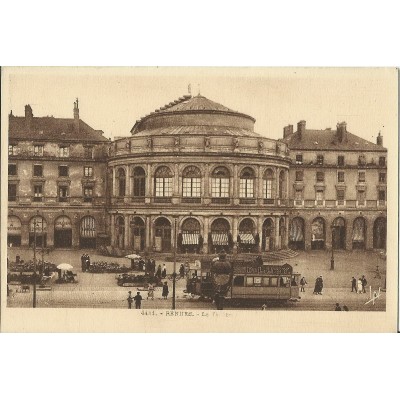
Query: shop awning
x=219, y=239
x=247, y=238
x=190, y=238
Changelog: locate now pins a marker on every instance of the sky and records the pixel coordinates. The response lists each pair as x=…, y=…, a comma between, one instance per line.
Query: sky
x=112, y=99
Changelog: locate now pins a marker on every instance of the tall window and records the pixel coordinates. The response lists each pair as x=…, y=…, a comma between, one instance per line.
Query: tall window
x=247, y=183
x=340, y=176
x=382, y=196
x=361, y=176
x=382, y=177
x=63, y=193
x=299, y=176
x=191, y=182
x=87, y=194
x=38, y=150
x=361, y=197
x=62, y=170
x=340, y=161
x=220, y=182
x=63, y=151
x=320, y=176
x=163, y=182
x=382, y=161
x=38, y=170
x=298, y=196
x=267, y=183
x=340, y=196
x=139, y=182
x=319, y=196
x=121, y=182
x=12, y=150
x=299, y=158
x=12, y=169
x=87, y=172
x=12, y=192
x=88, y=152
x=37, y=193
x=320, y=160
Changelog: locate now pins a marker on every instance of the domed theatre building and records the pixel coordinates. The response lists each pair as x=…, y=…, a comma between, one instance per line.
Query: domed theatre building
x=196, y=172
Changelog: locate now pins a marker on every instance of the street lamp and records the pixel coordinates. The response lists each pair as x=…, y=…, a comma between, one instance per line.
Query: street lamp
x=174, y=272
x=333, y=241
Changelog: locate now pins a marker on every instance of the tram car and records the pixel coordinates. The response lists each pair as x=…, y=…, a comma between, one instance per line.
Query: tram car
x=244, y=280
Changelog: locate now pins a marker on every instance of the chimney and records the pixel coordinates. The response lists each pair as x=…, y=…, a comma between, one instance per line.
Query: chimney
x=379, y=139
x=287, y=130
x=341, y=129
x=76, y=115
x=301, y=128
x=28, y=117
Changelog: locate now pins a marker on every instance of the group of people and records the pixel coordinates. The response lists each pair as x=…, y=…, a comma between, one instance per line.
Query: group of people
x=150, y=295
x=85, y=262
x=161, y=273
x=358, y=285
x=338, y=308
x=319, y=285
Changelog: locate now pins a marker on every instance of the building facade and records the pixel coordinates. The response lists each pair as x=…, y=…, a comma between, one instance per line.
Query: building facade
x=194, y=173
x=56, y=181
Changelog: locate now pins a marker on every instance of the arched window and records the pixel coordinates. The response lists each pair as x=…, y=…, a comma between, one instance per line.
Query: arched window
x=268, y=185
x=121, y=176
x=163, y=182
x=139, y=182
x=246, y=183
x=87, y=237
x=220, y=182
x=191, y=182
x=318, y=234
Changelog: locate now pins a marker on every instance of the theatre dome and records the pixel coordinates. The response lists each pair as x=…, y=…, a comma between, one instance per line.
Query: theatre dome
x=196, y=116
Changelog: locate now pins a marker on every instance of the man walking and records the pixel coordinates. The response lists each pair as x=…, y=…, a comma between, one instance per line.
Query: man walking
x=138, y=300
x=364, y=283
x=303, y=282
x=130, y=299
x=353, y=284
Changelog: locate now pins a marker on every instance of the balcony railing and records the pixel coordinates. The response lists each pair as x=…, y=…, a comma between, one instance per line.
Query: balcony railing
x=270, y=202
x=192, y=200
x=220, y=200
x=162, y=199
x=247, y=201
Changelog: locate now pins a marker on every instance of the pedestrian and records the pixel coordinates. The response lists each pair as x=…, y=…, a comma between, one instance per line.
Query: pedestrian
x=364, y=283
x=337, y=308
x=182, y=271
x=138, y=300
x=130, y=299
x=150, y=292
x=359, y=286
x=83, y=262
x=353, y=284
x=164, y=272
x=158, y=273
x=303, y=282
x=165, y=291
x=377, y=273
x=219, y=301
x=320, y=285
x=345, y=308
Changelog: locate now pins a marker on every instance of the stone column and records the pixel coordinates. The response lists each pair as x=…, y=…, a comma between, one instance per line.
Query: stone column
x=112, y=236
x=286, y=238
x=205, y=234
x=126, y=232
x=114, y=185
x=235, y=194
x=260, y=194
x=307, y=233
x=277, y=186
x=259, y=231
x=149, y=184
x=175, y=190
x=128, y=193
x=277, y=244
x=206, y=184
x=25, y=233
x=349, y=234
x=148, y=234
x=235, y=232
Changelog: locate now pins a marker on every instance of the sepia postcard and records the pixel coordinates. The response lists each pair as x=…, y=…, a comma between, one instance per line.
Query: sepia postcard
x=199, y=199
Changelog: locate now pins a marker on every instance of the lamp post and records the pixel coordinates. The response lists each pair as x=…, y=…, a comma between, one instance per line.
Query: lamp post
x=34, y=263
x=333, y=241
x=174, y=277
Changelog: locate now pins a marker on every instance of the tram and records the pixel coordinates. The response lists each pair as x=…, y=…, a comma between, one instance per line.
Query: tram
x=244, y=281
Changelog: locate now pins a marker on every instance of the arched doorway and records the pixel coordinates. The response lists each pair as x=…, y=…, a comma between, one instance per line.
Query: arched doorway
x=247, y=236
x=189, y=239
x=359, y=233
x=138, y=234
x=380, y=233
x=119, y=231
x=296, y=234
x=162, y=239
x=318, y=234
x=13, y=231
x=339, y=234
x=87, y=237
x=220, y=236
x=38, y=229
x=62, y=232
x=267, y=243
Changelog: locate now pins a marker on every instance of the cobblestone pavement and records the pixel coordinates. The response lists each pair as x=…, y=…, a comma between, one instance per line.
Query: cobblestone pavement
x=102, y=291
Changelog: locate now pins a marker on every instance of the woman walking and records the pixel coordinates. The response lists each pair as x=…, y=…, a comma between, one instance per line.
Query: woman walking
x=165, y=291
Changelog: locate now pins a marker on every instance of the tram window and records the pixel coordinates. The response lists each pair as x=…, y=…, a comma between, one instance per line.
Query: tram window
x=238, y=281
x=272, y=281
x=284, y=281
x=257, y=281
x=249, y=281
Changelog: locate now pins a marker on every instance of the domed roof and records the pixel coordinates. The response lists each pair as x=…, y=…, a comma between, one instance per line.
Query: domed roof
x=191, y=113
